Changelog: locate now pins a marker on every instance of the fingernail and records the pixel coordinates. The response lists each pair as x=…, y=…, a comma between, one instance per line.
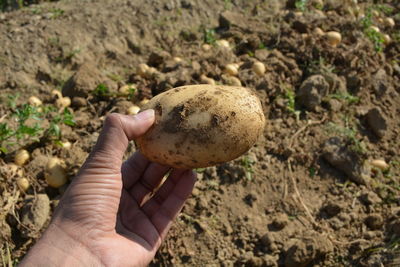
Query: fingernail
x=145, y=115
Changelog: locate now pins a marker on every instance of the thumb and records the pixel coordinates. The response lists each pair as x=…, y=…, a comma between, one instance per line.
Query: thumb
x=117, y=131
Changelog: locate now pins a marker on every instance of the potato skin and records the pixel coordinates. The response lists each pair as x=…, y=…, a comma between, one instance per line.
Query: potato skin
x=202, y=125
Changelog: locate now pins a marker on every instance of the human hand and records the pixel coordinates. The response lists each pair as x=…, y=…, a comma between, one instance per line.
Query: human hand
x=108, y=216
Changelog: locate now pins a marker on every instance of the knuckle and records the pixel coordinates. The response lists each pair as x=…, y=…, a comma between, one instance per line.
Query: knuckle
x=113, y=119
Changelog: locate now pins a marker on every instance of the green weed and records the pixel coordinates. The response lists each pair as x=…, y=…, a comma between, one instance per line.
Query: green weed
x=115, y=77
x=350, y=134
x=55, y=41
x=54, y=131
x=68, y=56
x=227, y=4
x=301, y=5
x=312, y=171
x=291, y=102
x=385, y=9
x=56, y=12
x=247, y=165
x=29, y=125
x=345, y=96
x=12, y=100
x=209, y=36
x=9, y=135
x=101, y=91
x=132, y=92
x=375, y=37
x=319, y=66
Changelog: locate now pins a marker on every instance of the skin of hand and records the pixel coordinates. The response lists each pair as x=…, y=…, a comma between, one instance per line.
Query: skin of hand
x=112, y=214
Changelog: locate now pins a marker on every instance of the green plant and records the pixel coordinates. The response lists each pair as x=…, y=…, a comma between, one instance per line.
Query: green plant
x=11, y=100
x=350, y=134
x=312, y=171
x=22, y=130
x=247, y=165
x=227, y=4
x=36, y=10
x=345, y=96
x=3, y=5
x=131, y=93
x=209, y=36
x=56, y=12
x=54, y=131
x=55, y=41
x=374, y=36
x=101, y=90
x=262, y=46
x=68, y=56
x=385, y=9
x=115, y=77
x=319, y=66
x=301, y=5
x=291, y=102
x=29, y=125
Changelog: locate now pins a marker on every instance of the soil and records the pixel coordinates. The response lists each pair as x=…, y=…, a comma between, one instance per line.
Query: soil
x=305, y=195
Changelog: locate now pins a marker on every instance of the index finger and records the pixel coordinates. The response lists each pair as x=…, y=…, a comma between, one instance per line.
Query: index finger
x=133, y=168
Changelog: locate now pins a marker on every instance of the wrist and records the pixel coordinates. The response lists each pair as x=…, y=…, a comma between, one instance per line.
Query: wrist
x=57, y=247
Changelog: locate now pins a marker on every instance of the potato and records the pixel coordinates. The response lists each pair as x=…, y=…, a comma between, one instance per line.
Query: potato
x=333, y=38
x=23, y=184
x=21, y=157
x=56, y=173
x=202, y=125
x=133, y=110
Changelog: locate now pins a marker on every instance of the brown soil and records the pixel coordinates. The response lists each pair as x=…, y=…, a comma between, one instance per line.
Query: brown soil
x=304, y=195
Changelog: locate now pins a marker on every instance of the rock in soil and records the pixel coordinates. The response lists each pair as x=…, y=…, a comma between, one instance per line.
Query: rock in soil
x=380, y=82
x=307, y=250
x=78, y=102
x=312, y=91
x=394, y=228
x=331, y=209
x=370, y=198
x=280, y=221
x=374, y=221
x=34, y=214
x=345, y=160
x=228, y=19
x=377, y=122
x=85, y=80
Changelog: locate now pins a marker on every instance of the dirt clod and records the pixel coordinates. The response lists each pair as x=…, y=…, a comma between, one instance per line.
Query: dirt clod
x=381, y=82
x=280, y=221
x=312, y=91
x=370, y=198
x=85, y=80
x=78, y=102
x=339, y=156
x=377, y=122
x=307, y=250
x=35, y=213
x=331, y=209
x=374, y=221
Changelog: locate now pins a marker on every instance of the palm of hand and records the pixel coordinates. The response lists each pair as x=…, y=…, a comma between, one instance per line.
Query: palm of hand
x=111, y=210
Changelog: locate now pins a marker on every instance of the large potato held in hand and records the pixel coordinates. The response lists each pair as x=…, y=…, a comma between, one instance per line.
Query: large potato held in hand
x=202, y=125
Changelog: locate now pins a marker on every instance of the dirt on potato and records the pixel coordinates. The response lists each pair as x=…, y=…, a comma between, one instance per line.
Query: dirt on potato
x=307, y=194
